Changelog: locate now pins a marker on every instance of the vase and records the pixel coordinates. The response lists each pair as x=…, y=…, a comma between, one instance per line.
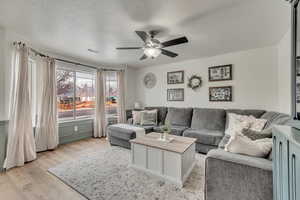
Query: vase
x=165, y=136
x=161, y=136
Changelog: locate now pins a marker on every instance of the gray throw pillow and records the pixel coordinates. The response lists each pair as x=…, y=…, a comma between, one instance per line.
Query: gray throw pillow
x=224, y=141
x=256, y=135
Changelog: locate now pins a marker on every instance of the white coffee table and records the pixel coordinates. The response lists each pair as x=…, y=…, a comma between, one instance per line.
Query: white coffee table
x=172, y=161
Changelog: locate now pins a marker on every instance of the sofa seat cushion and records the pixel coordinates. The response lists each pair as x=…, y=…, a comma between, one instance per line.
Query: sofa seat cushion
x=175, y=130
x=204, y=148
x=179, y=116
x=205, y=136
x=211, y=119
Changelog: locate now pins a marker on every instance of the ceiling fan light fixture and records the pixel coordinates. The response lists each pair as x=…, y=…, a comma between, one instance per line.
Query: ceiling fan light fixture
x=152, y=52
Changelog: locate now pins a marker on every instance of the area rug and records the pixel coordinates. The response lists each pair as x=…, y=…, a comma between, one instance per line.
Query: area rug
x=106, y=175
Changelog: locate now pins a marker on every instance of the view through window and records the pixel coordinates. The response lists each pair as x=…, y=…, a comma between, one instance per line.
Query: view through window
x=75, y=94
x=111, y=104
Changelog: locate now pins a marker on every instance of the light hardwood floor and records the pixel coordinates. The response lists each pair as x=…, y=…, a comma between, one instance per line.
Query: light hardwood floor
x=33, y=182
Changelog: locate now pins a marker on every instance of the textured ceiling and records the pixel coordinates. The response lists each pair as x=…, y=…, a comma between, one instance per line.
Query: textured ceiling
x=70, y=27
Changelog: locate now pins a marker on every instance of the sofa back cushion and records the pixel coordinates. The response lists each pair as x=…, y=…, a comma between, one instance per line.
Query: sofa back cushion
x=254, y=113
x=275, y=118
x=161, y=114
x=211, y=119
x=179, y=116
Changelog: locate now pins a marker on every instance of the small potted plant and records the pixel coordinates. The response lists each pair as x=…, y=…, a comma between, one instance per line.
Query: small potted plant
x=166, y=129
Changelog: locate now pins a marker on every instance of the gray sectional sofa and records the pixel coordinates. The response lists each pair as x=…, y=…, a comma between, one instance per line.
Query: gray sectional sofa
x=232, y=176
x=228, y=176
x=204, y=124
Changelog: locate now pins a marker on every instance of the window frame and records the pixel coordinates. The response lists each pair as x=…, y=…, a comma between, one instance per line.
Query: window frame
x=74, y=117
x=109, y=81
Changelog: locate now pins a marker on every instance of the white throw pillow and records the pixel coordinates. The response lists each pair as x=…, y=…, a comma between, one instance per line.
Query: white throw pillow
x=257, y=124
x=236, y=123
x=136, y=116
x=243, y=145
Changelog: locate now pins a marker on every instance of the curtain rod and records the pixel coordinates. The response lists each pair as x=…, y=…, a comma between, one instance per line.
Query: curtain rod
x=71, y=62
x=76, y=63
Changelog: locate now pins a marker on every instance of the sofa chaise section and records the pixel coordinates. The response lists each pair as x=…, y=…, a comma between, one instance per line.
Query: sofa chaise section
x=121, y=136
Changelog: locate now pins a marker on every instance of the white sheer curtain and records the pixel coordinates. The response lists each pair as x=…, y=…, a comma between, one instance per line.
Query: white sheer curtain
x=100, y=119
x=121, y=96
x=20, y=145
x=46, y=132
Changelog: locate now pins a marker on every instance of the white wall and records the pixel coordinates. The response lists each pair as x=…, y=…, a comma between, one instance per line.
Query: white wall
x=255, y=81
x=130, y=94
x=2, y=76
x=284, y=74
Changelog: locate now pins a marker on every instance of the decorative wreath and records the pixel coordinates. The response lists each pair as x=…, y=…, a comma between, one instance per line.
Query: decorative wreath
x=194, y=82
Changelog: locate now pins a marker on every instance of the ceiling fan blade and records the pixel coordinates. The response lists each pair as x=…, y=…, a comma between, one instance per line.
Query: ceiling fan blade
x=127, y=48
x=175, y=42
x=143, y=35
x=153, y=33
x=144, y=57
x=168, y=53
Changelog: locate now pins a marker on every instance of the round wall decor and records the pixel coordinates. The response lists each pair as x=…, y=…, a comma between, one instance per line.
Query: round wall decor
x=149, y=80
x=194, y=82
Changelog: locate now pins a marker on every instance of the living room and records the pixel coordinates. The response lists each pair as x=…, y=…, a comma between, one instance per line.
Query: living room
x=149, y=100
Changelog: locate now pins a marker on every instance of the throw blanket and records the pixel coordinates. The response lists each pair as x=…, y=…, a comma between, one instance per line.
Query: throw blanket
x=138, y=130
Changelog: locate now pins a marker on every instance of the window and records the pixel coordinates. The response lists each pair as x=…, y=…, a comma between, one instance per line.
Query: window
x=111, y=96
x=85, y=94
x=75, y=94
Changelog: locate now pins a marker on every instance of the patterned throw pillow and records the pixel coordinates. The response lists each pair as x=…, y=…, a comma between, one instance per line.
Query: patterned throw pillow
x=257, y=124
x=256, y=135
x=243, y=145
x=237, y=123
x=149, y=117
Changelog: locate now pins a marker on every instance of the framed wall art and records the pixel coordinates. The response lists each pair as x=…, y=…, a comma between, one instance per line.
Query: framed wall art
x=220, y=73
x=176, y=77
x=220, y=93
x=176, y=94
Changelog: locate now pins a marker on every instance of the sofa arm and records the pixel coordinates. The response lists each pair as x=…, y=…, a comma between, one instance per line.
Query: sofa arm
x=231, y=176
x=260, y=163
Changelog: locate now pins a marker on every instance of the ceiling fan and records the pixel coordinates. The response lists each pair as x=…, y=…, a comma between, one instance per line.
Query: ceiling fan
x=153, y=47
